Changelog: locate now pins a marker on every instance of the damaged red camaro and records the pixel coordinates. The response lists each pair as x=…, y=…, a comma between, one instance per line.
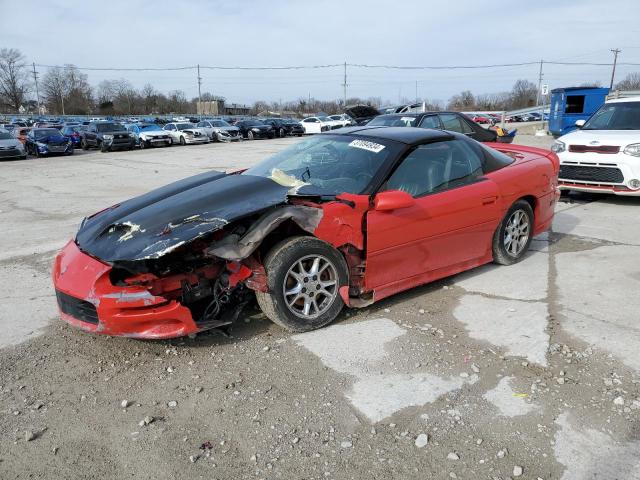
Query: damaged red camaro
x=343, y=218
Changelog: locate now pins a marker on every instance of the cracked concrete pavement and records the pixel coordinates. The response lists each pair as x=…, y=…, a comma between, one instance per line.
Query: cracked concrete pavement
x=533, y=365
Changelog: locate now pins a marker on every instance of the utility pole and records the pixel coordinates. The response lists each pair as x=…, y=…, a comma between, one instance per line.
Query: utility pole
x=199, y=109
x=615, y=51
x=344, y=85
x=539, y=84
x=539, y=96
x=416, y=91
x=35, y=80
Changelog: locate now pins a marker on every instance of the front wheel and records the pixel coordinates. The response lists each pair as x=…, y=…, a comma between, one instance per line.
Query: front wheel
x=513, y=236
x=304, y=276
x=249, y=135
x=83, y=144
x=183, y=142
x=282, y=133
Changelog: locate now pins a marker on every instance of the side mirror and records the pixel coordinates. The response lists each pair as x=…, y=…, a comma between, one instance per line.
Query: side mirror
x=580, y=123
x=392, y=200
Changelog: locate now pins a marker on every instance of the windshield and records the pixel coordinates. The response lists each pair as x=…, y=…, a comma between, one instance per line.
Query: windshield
x=5, y=136
x=46, y=132
x=326, y=165
x=615, y=116
x=393, y=121
x=220, y=123
x=324, y=119
x=151, y=128
x=108, y=127
x=182, y=126
x=253, y=123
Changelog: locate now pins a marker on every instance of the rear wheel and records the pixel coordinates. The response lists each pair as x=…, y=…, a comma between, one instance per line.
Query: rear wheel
x=513, y=236
x=83, y=144
x=143, y=144
x=304, y=276
x=282, y=133
x=182, y=141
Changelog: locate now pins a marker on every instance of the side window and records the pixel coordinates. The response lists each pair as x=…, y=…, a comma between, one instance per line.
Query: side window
x=466, y=128
x=430, y=121
x=451, y=122
x=436, y=167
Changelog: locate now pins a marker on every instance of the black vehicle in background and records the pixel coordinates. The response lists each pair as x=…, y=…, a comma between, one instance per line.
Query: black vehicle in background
x=294, y=127
x=452, y=121
x=251, y=128
x=283, y=127
x=107, y=136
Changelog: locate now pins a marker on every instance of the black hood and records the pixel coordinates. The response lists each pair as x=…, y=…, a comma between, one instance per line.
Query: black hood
x=158, y=222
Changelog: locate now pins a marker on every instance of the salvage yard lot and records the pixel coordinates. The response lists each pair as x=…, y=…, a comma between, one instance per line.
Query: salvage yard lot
x=531, y=367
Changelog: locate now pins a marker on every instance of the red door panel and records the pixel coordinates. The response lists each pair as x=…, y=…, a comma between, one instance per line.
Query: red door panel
x=440, y=230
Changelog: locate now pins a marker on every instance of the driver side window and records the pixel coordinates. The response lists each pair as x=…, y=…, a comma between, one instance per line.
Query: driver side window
x=436, y=167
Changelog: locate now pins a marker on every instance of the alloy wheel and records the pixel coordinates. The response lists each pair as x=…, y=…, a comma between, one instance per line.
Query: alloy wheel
x=516, y=232
x=310, y=286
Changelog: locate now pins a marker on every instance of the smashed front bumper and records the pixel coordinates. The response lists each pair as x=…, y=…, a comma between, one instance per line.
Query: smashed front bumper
x=88, y=300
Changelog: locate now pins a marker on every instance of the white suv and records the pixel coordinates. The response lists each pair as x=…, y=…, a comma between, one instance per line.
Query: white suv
x=603, y=155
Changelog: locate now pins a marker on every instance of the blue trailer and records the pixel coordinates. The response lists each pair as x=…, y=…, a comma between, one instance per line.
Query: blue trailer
x=569, y=105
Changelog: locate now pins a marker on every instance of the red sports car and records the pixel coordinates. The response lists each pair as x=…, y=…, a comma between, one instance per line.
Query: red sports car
x=343, y=218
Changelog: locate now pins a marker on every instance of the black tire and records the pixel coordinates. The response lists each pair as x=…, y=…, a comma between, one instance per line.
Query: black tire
x=183, y=142
x=284, y=257
x=103, y=148
x=505, y=251
x=143, y=144
x=24, y=157
x=83, y=144
x=249, y=135
x=70, y=152
x=282, y=133
x=300, y=134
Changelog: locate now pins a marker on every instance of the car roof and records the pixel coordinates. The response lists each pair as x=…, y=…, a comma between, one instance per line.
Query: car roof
x=623, y=100
x=407, y=135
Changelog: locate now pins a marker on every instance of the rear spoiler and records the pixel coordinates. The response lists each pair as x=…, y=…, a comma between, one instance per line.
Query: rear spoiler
x=542, y=152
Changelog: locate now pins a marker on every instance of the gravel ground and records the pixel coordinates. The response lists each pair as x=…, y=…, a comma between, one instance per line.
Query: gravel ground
x=528, y=371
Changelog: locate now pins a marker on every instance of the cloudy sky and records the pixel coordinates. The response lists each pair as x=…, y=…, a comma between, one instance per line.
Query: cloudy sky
x=252, y=33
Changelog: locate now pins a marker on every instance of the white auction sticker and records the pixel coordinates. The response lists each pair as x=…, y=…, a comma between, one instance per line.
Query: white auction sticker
x=365, y=145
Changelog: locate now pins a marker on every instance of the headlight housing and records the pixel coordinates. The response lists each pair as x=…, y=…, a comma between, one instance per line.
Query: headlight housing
x=132, y=135
x=558, y=147
x=632, y=149
x=41, y=145
x=107, y=137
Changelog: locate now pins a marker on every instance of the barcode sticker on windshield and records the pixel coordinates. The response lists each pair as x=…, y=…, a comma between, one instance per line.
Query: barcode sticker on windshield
x=370, y=146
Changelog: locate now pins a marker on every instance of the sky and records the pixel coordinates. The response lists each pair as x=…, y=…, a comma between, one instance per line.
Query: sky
x=278, y=33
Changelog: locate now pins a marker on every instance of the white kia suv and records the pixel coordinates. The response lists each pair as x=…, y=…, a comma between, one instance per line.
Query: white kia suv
x=603, y=155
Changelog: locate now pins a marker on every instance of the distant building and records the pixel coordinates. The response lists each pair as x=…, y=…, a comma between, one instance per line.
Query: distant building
x=219, y=107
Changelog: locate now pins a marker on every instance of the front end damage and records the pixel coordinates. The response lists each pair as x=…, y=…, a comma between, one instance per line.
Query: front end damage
x=153, y=268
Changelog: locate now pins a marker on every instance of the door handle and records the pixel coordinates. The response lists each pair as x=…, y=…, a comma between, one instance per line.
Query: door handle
x=489, y=200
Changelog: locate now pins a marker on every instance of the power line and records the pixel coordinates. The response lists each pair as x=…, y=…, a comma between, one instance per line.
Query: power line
x=336, y=65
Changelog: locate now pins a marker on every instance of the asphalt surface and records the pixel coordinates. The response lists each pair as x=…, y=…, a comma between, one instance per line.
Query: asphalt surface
x=529, y=371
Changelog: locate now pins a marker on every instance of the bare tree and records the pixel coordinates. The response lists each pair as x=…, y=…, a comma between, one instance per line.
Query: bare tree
x=630, y=82
x=14, y=83
x=463, y=101
x=66, y=90
x=523, y=94
x=54, y=90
